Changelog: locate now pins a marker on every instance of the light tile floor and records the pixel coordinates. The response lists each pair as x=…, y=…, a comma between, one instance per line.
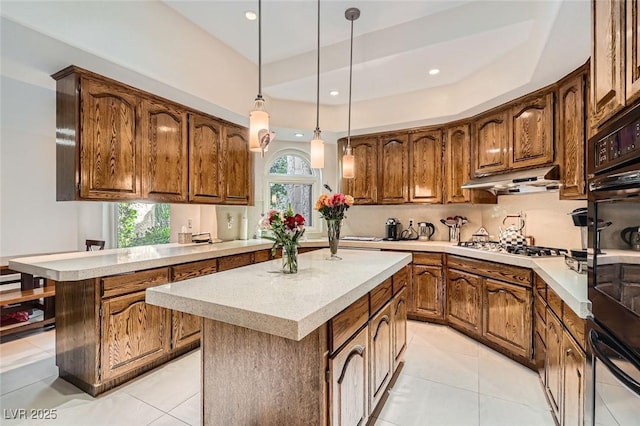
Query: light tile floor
x=448, y=379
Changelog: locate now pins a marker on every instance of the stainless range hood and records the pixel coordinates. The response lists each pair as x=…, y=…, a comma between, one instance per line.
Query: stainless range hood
x=521, y=182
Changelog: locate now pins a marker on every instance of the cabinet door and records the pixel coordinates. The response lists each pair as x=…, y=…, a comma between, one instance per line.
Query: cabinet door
x=490, y=142
x=185, y=329
x=380, y=355
x=607, y=60
x=238, y=169
x=633, y=50
x=425, y=184
x=428, y=292
x=205, y=162
x=573, y=392
x=457, y=164
x=532, y=133
x=553, y=363
x=164, y=152
x=394, y=169
x=463, y=300
x=571, y=138
x=349, y=381
x=399, y=322
x=134, y=334
x=109, y=142
x=364, y=186
x=507, y=316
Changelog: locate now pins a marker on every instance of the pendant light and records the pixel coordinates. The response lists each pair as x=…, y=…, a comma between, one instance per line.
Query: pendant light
x=259, y=134
x=348, y=161
x=317, y=144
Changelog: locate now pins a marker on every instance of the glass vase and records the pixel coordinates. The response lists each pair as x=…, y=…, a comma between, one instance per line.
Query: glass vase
x=333, y=233
x=290, y=260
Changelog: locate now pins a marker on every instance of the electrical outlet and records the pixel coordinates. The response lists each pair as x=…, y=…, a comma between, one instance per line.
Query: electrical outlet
x=229, y=225
x=410, y=222
x=189, y=223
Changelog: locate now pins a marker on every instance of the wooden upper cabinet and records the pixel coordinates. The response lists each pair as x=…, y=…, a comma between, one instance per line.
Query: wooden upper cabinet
x=633, y=49
x=572, y=137
x=457, y=164
x=109, y=142
x=364, y=186
x=205, y=160
x=532, y=132
x=164, y=152
x=490, y=143
x=394, y=169
x=238, y=166
x=607, y=60
x=425, y=184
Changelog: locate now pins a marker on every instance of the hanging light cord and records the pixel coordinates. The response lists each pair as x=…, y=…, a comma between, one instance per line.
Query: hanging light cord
x=318, y=79
x=259, y=97
x=350, y=79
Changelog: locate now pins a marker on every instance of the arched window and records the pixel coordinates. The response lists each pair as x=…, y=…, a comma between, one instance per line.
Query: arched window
x=291, y=180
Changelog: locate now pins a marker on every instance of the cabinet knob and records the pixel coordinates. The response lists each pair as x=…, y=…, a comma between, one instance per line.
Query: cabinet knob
x=569, y=351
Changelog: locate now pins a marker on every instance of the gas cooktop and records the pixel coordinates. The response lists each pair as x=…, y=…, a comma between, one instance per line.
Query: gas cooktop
x=496, y=247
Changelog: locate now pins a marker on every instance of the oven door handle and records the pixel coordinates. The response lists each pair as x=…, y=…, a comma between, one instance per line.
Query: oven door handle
x=595, y=339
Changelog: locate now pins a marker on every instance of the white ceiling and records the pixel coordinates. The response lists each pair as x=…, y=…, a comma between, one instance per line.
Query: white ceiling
x=396, y=42
x=204, y=54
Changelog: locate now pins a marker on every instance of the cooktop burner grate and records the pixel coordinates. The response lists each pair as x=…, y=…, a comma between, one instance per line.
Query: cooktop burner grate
x=495, y=246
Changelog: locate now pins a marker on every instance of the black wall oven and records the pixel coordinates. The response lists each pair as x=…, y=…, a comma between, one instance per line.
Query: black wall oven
x=613, y=349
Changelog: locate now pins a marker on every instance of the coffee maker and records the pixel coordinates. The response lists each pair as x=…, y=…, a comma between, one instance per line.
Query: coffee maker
x=393, y=229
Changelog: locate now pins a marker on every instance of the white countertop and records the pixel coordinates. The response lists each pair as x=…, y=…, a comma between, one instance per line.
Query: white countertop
x=617, y=256
x=570, y=286
x=261, y=298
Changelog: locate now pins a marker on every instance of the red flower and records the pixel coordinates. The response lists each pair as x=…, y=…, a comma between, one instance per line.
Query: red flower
x=299, y=219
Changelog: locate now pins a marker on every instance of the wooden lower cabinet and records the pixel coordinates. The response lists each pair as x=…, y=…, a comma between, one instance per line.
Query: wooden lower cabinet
x=399, y=311
x=380, y=354
x=428, y=292
x=134, y=333
x=553, y=363
x=185, y=329
x=573, y=382
x=463, y=300
x=507, y=316
x=349, y=401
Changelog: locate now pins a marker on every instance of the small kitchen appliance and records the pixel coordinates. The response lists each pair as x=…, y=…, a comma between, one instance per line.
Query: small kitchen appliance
x=577, y=260
x=425, y=231
x=631, y=236
x=393, y=229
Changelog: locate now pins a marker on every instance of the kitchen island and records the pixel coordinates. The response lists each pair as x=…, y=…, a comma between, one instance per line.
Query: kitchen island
x=276, y=348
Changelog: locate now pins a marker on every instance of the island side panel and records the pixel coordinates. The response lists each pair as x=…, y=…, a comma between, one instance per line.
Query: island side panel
x=77, y=332
x=276, y=380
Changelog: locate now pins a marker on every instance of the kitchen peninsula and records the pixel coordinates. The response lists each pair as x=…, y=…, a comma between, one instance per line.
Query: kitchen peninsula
x=270, y=341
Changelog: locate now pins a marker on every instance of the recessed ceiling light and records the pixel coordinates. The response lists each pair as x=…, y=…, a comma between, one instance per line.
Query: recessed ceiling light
x=299, y=135
x=434, y=71
x=250, y=15
x=334, y=93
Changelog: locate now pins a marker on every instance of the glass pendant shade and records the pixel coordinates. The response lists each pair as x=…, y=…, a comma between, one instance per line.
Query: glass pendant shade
x=317, y=151
x=258, y=126
x=348, y=164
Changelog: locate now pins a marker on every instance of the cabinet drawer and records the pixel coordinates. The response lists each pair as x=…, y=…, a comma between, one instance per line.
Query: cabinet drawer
x=262, y=256
x=129, y=283
x=347, y=322
x=235, y=261
x=554, y=302
x=193, y=269
x=575, y=325
x=502, y=272
x=401, y=279
x=629, y=273
x=427, y=258
x=380, y=295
